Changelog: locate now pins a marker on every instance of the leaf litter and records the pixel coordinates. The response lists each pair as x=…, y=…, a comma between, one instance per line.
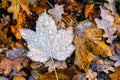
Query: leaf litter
x=62, y=40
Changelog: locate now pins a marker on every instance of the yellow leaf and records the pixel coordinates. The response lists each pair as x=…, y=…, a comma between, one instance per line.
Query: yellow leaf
x=19, y=78
x=16, y=7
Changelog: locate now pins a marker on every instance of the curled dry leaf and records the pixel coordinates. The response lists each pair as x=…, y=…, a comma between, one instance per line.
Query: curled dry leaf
x=16, y=5
x=63, y=74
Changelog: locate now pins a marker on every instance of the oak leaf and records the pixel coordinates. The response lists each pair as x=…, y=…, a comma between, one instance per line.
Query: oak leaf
x=106, y=24
x=57, y=12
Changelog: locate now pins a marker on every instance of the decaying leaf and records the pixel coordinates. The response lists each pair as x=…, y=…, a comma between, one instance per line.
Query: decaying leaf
x=5, y=20
x=6, y=65
x=65, y=74
x=106, y=24
x=7, y=41
x=47, y=41
x=16, y=7
x=57, y=12
x=90, y=41
x=116, y=74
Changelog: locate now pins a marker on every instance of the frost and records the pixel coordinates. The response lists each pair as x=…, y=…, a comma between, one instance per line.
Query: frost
x=106, y=24
x=57, y=12
x=47, y=41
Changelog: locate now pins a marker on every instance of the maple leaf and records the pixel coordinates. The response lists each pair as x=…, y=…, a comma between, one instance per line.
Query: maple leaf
x=15, y=7
x=57, y=12
x=106, y=24
x=47, y=41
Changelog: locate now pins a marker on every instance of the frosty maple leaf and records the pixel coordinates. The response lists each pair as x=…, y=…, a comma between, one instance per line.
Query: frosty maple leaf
x=57, y=12
x=47, y=41
x=106, y=24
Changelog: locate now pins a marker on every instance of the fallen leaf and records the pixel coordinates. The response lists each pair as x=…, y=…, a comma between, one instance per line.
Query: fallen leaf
x=65, y=74
x=47, y=41
x=111, y=5
x=39, y=7
x=6, y=65
x=89, y=41
x=20, y=22
x=56, y=64
x=18, y=78
x=106, y=24
x=16, y=6
x=116, y=74
x=71, y=5
x=57, y=12
x=12, y=54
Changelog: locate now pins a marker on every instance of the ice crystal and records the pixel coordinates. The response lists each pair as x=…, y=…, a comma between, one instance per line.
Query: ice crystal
x=47, y=41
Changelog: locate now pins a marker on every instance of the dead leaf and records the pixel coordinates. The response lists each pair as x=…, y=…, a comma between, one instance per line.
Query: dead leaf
x=57, y=12
x=65, y=74
x=16, y=7
x=57, y=64
x=90, y=41
x=12, y=54
x=18, y=78
x=20, y=22
x=3, y=4
x=116, y=74
x=40, y=7
x=6, y=65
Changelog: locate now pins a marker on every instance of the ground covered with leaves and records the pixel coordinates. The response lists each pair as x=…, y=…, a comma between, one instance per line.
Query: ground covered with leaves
x=59, y=39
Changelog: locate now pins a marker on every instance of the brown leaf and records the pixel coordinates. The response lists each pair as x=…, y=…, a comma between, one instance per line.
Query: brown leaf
x=90, y=42
x=65, y=74
x=71, y=5
x=40, y=7
x=6, y=65
x=116, y=74
x=91, y=11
